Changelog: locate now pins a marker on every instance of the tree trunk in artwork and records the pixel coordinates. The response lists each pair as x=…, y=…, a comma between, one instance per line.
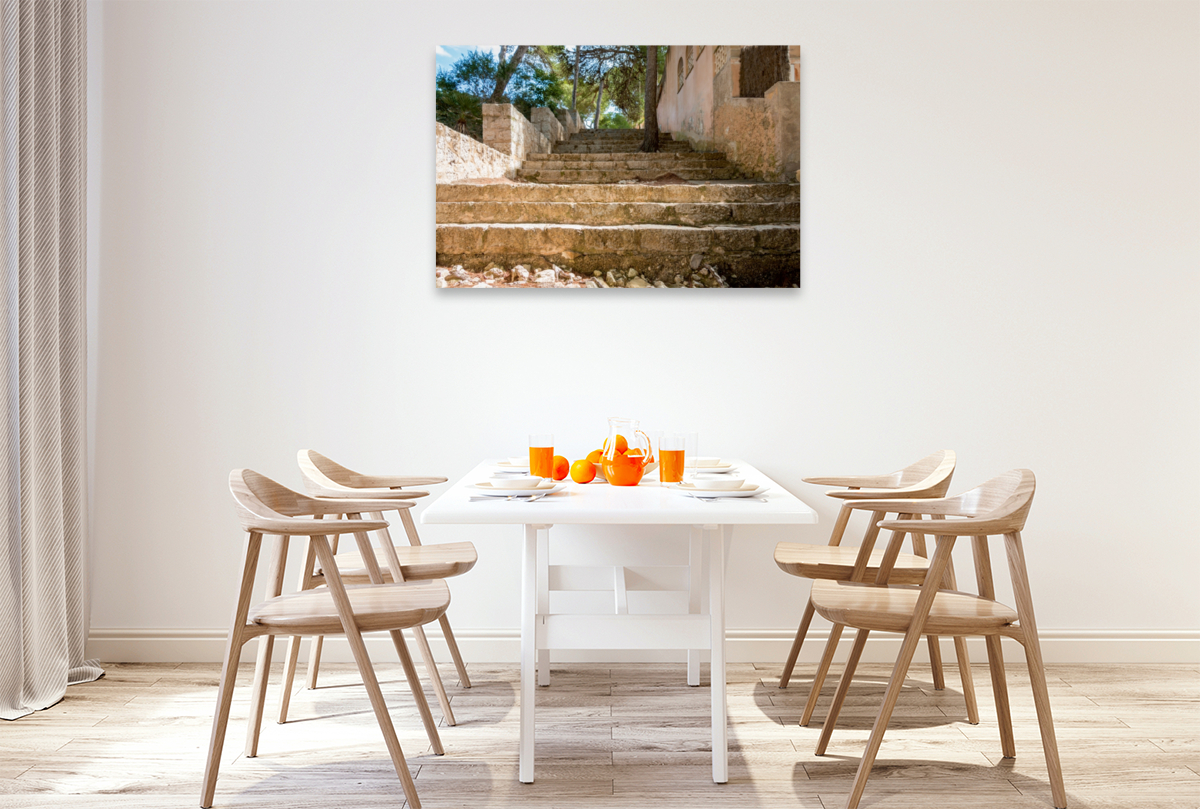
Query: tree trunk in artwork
x=650, y=113
x=575, y=85
x=599, y=100
x=505, y=71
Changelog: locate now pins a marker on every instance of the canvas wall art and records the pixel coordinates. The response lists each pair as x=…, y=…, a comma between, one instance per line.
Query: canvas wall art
x=618, y=166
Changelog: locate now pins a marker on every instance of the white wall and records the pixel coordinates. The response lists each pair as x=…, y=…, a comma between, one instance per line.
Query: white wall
x=1000, y=257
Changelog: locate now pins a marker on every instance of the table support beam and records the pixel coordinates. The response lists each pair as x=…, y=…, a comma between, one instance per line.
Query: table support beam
x=716, y=607
x=695, y=569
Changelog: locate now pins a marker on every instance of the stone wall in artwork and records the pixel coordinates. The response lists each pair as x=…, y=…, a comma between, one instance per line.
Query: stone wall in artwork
x=461, y=157
x=506, y=130
x=546, y=122
x=761, y=136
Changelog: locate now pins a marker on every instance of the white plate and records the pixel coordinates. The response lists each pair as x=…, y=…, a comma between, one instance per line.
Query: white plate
x=498, y=489
x=709, y=470
x=747, y=490
x=509, y=466
x=708, y=465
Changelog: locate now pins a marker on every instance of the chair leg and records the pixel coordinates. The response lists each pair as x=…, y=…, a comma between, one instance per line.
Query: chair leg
x=464, y=679
x=314, y=661
x=860, y=643
x=1008, y=743
x=895, y=685
x=968, y=682
x=233, y=651
x=414, y=684
x=790, y=663
x=262, y=666
x=912, y=638
x=367, y=672
x=220, y=721
x=935, y=662
x=435, y=677
x=835, y=634
x=258, y=694
x=289, y=676
x=1037, y=669
x=964, y=658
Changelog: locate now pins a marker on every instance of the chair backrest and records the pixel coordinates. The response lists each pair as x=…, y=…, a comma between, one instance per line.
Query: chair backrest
x=999, y=506
x=932, y=470
x=260, y=500
x=324, y=477
x=323, y=474
x=928, y=477
x=1003, y=501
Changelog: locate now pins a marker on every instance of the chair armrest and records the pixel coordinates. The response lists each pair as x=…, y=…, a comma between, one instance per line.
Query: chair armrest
x=308, y=528
x=878, y=494
x=360, y=494
x=949, y=528
x=348, y=505
x=398, y=481
x=915, y=505
x=855, y=481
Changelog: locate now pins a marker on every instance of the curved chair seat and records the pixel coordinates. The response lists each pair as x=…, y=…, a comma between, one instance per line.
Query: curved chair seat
x=835, y=562
x=376, y=607
x=889, y=608
x=417, y=563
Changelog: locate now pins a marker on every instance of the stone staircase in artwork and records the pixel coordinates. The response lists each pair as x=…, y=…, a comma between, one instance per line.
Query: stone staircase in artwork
x=596, y=205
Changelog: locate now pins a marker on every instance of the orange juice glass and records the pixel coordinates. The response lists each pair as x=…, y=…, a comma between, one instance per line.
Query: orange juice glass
x=541, y=455
x=670, y=457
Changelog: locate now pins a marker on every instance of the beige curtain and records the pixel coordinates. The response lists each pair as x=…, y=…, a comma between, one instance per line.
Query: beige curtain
x=43, y=571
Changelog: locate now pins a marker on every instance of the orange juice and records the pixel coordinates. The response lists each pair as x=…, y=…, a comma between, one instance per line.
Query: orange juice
x=541, y=461
x=670, y=465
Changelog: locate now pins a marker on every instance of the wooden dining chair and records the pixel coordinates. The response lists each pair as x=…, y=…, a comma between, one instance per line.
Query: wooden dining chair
x=997, y=508
x=268, y=509
x=405, y=563
x=928, y=477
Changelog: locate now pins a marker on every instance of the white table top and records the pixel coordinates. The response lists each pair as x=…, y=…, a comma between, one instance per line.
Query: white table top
x=649, y=503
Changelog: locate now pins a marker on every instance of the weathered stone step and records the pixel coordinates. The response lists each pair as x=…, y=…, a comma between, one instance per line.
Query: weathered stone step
x=626, y=164
x=565, y=147
x=633, y=192
x=598, y=134
x=600, y=157
x=617, y=175
x=689, y=214
x=752, y=255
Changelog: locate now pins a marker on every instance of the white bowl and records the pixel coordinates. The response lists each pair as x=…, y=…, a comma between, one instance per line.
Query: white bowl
x=723, y=483
x=519, y=461
x=700, y=463
x=522, y=482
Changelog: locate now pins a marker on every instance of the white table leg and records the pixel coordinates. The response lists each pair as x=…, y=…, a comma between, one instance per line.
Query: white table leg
x=529, y=600
x=695, y=563
x=716, y=609
x=543, y=599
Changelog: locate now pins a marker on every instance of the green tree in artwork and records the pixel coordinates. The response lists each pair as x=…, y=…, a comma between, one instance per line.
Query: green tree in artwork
x=525, y=77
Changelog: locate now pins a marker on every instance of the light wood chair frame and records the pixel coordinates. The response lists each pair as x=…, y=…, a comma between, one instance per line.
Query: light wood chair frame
x=326, y=478
x=997, y=508
x=929, y=477
x=267, y=509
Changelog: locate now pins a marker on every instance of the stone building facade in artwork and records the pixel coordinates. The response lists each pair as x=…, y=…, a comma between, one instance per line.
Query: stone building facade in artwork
x=754, y=119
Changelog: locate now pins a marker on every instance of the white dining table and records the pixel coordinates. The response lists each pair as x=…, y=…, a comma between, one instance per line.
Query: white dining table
x=649, y=503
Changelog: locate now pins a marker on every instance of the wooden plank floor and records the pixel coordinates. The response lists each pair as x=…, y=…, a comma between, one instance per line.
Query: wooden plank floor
x=610, y=736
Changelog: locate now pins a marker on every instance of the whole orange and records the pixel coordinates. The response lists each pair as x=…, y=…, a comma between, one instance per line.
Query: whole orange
x=595, y=455
x=583, y=471
x=560, y=467
x=622, y=445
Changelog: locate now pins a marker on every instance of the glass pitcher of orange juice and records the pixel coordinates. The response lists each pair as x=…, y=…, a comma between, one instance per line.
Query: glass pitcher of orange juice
x=628, y=453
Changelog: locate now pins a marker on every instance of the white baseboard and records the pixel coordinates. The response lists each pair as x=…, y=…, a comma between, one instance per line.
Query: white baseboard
x=742, y=646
